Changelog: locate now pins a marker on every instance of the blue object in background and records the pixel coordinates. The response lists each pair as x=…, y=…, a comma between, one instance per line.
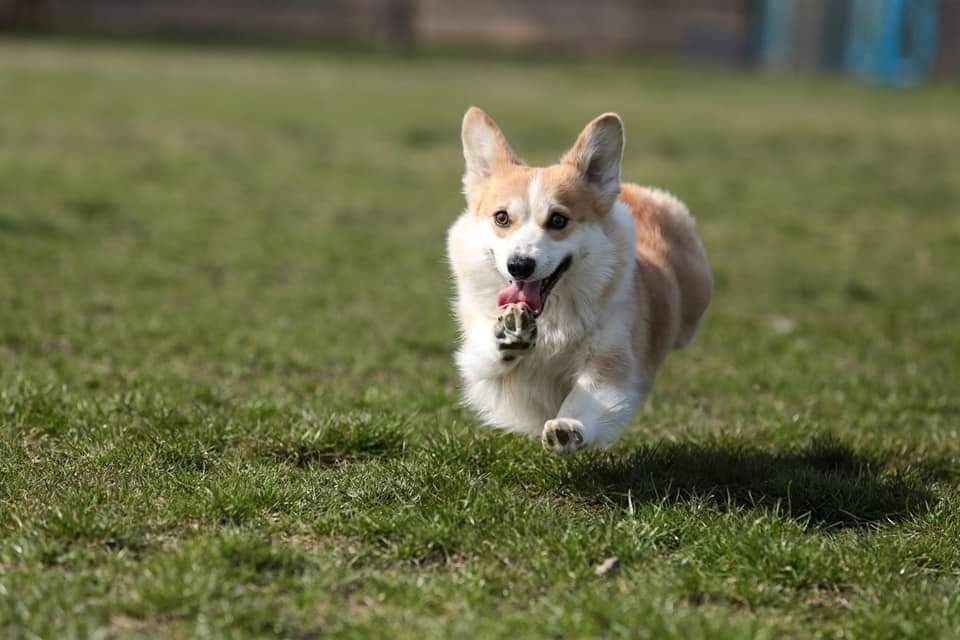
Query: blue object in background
x=775, y=41
x=893, y=42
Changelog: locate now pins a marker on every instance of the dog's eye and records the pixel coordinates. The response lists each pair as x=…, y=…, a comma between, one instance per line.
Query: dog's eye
x=502, y=218
x=557, y=221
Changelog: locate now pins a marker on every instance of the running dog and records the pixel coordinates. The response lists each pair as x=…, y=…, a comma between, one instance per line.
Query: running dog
x=571, y=286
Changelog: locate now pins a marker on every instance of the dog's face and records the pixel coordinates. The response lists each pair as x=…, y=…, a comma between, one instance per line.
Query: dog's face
x=539, y=223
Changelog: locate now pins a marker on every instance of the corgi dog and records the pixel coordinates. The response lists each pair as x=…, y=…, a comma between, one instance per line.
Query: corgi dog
x=571, y=286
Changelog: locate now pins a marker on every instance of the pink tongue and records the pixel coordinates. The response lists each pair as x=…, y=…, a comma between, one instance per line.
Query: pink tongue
x=527, y=293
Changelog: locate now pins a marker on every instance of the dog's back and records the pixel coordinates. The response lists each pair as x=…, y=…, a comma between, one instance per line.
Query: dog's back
x=673, y=283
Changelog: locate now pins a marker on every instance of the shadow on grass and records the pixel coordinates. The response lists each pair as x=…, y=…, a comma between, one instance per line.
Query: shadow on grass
x=33, y=227
x=826, y=481
x=340, y=438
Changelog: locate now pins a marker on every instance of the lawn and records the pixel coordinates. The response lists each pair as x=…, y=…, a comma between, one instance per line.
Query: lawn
x=227, y=402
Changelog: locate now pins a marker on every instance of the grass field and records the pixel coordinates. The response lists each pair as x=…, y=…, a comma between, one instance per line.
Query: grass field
x=227, y=403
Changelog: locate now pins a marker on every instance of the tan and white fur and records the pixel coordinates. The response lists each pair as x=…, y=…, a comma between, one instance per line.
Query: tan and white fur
x=637, y=285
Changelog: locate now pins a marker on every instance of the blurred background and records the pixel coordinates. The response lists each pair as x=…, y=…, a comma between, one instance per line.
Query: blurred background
x=894, y=42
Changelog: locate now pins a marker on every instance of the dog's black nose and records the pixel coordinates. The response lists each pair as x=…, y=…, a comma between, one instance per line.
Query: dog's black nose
x=521, y=267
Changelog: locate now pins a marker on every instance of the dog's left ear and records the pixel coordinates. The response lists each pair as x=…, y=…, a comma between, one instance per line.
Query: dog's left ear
x=597, y=154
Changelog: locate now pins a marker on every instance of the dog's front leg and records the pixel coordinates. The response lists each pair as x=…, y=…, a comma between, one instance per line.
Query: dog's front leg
x=490, y=351
x=595, y=412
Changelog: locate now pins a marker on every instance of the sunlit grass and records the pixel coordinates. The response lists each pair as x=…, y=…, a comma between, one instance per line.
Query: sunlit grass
x=227, y=404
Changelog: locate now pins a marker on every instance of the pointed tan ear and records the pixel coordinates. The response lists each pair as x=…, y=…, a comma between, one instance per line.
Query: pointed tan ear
x=597, y=154
x=485, y=148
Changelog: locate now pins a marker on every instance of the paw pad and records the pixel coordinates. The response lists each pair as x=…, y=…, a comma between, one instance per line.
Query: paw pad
x=563, y=435
x=515, y=330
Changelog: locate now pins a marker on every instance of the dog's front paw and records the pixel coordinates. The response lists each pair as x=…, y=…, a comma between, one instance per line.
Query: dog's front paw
x=563, y=435
x=515, y=331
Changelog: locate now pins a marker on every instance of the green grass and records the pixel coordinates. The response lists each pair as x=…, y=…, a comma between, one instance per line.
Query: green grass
x=227, y=404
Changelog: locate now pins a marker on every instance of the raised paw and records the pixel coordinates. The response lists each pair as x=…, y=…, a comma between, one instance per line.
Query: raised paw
x=515, y=331
x=563, y=435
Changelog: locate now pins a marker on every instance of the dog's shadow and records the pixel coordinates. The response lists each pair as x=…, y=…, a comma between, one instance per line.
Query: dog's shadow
x=824, y=483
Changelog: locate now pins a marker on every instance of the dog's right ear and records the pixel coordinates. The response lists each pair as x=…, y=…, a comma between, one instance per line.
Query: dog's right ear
x=485, y=148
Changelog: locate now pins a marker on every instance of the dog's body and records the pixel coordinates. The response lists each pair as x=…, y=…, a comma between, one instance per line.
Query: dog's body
x=621, y=266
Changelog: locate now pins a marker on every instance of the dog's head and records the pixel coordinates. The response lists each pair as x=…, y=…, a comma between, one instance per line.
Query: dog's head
x=539, y=224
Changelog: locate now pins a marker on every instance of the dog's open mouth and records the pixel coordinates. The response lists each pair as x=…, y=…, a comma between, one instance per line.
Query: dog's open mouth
x=532, y=293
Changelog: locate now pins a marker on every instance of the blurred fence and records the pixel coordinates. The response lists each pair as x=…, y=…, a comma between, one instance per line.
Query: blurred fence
x=892, y=41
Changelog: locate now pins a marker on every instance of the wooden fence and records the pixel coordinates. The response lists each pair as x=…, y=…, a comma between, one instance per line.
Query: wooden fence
x=731, y=32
